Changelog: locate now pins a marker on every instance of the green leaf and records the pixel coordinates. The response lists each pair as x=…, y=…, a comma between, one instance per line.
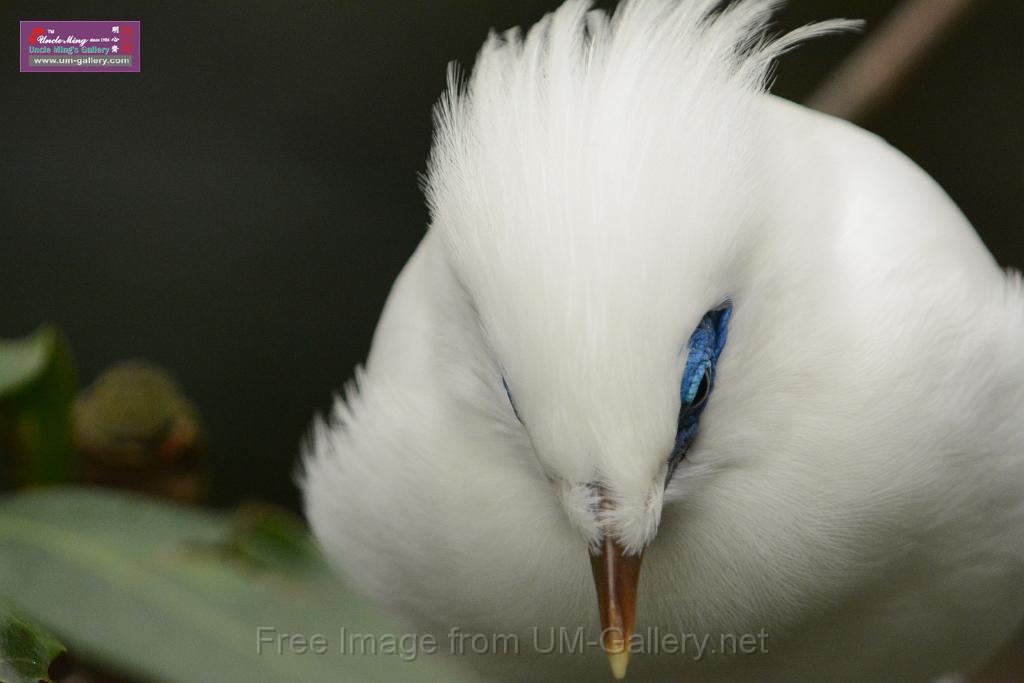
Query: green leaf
x=37, y=387
x=269, y=537
x=22, y=360
x=174, y=594
x=26, y=651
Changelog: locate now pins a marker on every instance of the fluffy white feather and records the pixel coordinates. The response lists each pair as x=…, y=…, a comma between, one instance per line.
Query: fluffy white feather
x=598, y=185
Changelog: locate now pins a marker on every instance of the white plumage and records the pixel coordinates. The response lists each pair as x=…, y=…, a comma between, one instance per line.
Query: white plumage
x=855, y=487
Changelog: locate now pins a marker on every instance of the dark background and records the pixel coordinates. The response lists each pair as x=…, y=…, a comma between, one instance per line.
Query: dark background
x=238, y=210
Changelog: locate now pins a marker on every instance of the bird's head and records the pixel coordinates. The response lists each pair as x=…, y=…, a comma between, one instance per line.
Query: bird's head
x=596, y=184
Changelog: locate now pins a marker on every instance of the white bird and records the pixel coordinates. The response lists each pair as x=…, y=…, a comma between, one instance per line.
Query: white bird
x=661, y=313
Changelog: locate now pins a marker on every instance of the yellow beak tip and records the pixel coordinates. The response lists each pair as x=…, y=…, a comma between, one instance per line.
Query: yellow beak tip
x=619, y=661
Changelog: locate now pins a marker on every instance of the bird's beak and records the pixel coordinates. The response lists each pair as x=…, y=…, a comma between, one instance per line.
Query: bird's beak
x=616, y=575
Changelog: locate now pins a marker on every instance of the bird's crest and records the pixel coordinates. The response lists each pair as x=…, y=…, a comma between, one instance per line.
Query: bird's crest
x=578, y=68
x=597, y=170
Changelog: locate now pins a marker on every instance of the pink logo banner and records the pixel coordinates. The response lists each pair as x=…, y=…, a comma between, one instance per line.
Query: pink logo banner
x=81, y=46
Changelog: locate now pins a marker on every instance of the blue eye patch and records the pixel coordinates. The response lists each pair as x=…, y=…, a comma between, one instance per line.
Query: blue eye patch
x=706, y=344
x=704, y=348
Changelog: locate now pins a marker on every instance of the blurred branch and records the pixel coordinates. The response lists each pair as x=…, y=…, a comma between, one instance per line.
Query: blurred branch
x=886, y=57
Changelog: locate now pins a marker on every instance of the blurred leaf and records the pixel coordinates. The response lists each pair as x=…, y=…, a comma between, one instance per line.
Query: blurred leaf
x=22, y=360
x=176, y=594
x=26, y=651
x=273, y=538
x=37, y=386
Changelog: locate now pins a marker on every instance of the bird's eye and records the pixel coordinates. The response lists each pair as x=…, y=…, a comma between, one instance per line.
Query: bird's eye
x=511, y=402
x=705, y=346
x=703, y=390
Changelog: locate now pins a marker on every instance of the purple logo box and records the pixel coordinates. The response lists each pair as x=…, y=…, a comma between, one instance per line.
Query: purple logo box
x=81, y=46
